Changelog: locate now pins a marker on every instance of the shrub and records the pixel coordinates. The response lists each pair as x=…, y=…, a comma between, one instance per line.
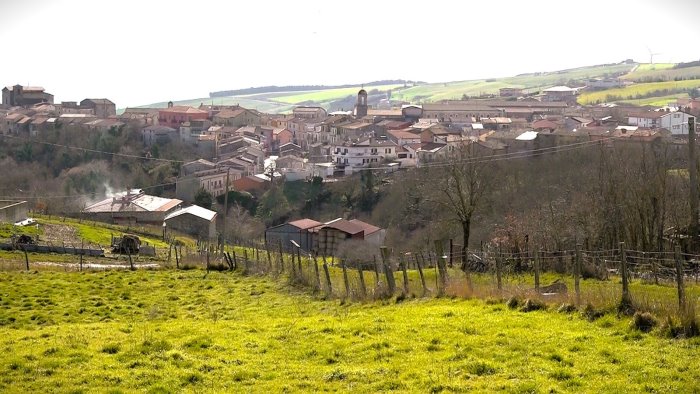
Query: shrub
x=112, y=348
x=566, y=308
x=513, y=302
x=591, y=314
x=481, y=368
x=643, y=321
x=533, y=305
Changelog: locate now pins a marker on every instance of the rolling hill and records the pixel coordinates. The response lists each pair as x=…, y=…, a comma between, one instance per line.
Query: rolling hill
x=672, y=83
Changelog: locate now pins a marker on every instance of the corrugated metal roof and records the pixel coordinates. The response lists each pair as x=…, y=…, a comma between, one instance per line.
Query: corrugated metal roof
x=194, y=210
x=527, y=136
x=305, y=224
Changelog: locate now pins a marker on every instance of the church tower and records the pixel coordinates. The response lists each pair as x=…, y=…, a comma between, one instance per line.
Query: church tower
x=361, y=106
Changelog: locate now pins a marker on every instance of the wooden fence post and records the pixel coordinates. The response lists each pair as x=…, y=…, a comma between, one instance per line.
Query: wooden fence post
x=387, y=270
x=82, y=244
x=499, y=263
x=402, y=262
x=293, y=266
x=269, y=258
x=301, y=273
x=207, y=258
x=246, y=268
x=538, y=255
x=363, y=288
x=131, y=263
x=235, y=259
x=345, y=278
x=422, y=277
x=626, y=302
x=26, y=257
x=679, y=278
x=376, y=271
x=314, y=263
x=452, y=252
x=177, y=259
x=441, y=265
x=577, y=274
x=281, y=257
x=329, y=287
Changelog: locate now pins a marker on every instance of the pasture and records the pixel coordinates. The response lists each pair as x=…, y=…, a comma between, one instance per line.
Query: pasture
x=633, y=91
x=169, y=330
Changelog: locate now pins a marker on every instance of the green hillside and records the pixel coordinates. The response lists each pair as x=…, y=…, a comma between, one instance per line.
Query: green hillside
x=175, y=331
x=651, y=81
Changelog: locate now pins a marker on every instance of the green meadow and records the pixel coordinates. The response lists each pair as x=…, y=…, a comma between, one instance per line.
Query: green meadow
x=188, y=331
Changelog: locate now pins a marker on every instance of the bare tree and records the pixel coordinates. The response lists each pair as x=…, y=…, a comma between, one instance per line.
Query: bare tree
x=458, y=184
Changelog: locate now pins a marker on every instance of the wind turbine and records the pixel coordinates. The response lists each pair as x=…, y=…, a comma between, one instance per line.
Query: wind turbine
x=651, y=56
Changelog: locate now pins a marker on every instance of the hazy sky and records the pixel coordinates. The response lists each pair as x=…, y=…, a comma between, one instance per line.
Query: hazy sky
x=138, y=52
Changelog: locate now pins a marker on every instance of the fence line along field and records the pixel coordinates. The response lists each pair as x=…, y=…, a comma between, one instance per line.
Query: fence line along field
x=170, y=330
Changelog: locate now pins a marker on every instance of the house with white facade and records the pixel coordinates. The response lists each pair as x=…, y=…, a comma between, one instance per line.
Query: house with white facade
x=648, y=119
x=363, y=154
x=675, y=122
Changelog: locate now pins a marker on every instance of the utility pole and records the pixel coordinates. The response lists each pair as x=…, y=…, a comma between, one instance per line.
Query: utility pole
x=223, y=240
x=693, y=173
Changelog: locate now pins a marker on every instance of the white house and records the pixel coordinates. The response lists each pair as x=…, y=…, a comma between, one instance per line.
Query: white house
x=363, y=154
x=649, y=119
x=675, y=122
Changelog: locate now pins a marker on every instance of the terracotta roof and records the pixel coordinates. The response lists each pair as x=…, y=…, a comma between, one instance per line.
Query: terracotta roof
x=345, y=226
x=368, y=228
x=647, y=115
x=403, y=134
x=305, y=224
x=183, y=108
x=228, y=114
x=544, y=124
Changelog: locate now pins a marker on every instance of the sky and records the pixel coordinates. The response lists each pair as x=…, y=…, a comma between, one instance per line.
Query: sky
x=145, y=51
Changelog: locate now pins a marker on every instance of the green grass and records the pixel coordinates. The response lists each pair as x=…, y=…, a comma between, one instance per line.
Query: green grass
x=660, y=101
x=666, y=73
x=632, y=90
x=283, y=102
x=319, y=96
x=157, y=331
x=655, y=66
x=8, y=230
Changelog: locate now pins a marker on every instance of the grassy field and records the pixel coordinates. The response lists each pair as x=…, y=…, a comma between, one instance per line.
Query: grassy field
x=632, y=90
x=164, y=331
x=663, y=73
x=284, y=101
x=322, y=96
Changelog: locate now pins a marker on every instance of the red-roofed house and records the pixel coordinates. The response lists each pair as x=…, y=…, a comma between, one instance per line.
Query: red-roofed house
x=332, y=234
x=299, y=231
x=175, y=115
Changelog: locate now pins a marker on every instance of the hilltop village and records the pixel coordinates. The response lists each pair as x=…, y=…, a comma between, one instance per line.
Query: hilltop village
x=245, y=150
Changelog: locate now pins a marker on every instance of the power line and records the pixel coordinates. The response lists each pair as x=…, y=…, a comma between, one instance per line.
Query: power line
x=74, y=195
x=92, y=150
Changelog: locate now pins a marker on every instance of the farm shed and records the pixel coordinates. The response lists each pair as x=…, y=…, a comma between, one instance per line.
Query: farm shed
x=132, y=207
x=194, y=220
x=13, y=211
x=299, y=231
x=333, y=233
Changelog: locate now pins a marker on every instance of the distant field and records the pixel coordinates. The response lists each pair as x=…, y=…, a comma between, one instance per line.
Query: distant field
x=455, y=90
x=632, y=90
x=173, y=331
x=667, y=74
x=327, y=95
x=655, y=66
x=277, y=102
x=657, y=101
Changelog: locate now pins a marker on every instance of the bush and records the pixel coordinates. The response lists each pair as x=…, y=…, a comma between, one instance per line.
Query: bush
x=533, y=305
x=513, y=302
x=591, y=314
x=643, y=321
x=566, y=308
